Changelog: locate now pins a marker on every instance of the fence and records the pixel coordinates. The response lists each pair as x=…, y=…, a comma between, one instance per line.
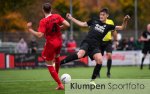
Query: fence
x=35, y=60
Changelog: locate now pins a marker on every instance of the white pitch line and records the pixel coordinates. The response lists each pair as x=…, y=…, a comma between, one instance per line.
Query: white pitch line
x=23, y=81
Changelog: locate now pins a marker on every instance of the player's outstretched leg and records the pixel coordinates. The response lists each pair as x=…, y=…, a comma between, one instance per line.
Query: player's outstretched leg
x=69, y=58
x=73, y=57
x=54, y=75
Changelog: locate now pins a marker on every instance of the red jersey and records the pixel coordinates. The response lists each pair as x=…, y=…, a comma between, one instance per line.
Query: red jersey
x=50, y=26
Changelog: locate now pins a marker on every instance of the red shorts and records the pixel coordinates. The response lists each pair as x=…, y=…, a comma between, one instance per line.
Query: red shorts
x=51, y=49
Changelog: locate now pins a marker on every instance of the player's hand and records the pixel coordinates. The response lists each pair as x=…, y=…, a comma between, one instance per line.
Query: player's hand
x=29, y=24
x=68, y=15
x=126, y=18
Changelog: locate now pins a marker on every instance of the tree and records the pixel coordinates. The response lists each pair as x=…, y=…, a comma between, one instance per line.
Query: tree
x=12, y=21
x=11, y=18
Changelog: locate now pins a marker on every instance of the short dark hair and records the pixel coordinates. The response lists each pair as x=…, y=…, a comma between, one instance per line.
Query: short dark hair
x=106, y=10
x=47, y=7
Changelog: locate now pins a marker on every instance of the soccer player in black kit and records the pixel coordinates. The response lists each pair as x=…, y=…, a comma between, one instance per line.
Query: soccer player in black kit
x=91, y=43
x=146, y=49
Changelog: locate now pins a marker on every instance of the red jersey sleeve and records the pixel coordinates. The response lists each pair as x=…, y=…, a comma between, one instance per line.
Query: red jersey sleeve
x=61, y=19
x=42, y=26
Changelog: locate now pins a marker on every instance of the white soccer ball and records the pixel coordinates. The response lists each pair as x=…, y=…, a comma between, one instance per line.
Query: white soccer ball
x=65, y=78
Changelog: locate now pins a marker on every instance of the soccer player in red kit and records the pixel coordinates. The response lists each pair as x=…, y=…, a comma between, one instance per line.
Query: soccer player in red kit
x=50, y=27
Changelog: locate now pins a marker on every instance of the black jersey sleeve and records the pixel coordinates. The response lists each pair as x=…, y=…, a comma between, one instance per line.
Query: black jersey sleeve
x=144, y=34
x=111, y=27
x=89, y=22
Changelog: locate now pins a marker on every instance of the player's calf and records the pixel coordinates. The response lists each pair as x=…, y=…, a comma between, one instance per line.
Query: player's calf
x=73, y=57
x=53, y=73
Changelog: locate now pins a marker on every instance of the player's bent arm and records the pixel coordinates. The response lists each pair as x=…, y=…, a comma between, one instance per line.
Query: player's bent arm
x=114, y=33
x=79, y=23
x=119, y=28
x=122, y=27
x=65, y=25
x=124, y=24
x=38, y=34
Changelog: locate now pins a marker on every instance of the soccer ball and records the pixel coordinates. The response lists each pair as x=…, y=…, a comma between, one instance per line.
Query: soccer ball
x=65, y=78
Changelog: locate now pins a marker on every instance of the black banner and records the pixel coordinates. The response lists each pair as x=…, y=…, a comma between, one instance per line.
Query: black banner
x=25, y=60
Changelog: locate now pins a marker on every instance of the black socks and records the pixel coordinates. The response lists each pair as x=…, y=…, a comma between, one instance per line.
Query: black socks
x=69, y=58
x=96, y=71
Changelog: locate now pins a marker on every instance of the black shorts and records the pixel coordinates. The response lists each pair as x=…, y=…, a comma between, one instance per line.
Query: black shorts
x=146, y=49
x=106, y=46
x=90, y=48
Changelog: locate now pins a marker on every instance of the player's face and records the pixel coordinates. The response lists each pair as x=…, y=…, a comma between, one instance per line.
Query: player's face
x=103, y=16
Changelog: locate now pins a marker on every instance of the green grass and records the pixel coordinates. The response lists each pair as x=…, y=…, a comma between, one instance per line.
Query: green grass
x=39, y=81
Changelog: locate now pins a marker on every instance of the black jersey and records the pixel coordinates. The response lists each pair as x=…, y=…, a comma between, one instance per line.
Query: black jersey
x=98, y=30
x=146, y=35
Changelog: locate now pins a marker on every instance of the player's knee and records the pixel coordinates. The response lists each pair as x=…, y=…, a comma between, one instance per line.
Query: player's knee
x=98, y=60
x=81, y=54
x=109, y=56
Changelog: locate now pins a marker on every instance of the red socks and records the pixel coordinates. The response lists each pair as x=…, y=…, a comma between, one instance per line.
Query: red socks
x=57, y=64
x=54, y=74
x=54, y=71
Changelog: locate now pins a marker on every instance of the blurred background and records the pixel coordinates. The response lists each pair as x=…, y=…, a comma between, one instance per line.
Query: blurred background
x=23, y=70
x=14, y=15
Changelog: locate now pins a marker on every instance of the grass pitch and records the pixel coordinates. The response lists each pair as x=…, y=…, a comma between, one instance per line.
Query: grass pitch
x=39, y=81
